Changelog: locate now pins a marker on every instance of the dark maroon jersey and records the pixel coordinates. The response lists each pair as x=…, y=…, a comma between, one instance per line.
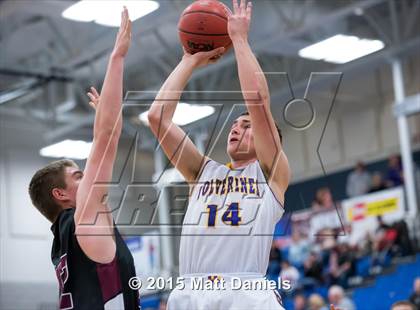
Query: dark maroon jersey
x=85, y=284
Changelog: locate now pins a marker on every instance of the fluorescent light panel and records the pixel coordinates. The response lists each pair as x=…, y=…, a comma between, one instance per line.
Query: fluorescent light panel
x=341, y=49
x=67, y=149
x=185, y=113
x=107, y=12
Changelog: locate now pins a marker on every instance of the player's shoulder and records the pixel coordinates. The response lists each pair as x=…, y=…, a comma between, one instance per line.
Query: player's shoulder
x=64, y=222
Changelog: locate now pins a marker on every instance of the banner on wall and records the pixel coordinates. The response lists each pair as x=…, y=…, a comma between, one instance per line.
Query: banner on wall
x=388, y=203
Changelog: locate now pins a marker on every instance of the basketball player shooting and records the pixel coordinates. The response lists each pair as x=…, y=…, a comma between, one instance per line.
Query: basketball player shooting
x=233, y=209
x=92, y=262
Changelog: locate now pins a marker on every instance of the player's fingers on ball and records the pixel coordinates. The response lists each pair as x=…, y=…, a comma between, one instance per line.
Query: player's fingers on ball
x=216, y=52
x=235, y=6
x=243, y=7
x=214, y=58
x=249, y=10
x=219, y=50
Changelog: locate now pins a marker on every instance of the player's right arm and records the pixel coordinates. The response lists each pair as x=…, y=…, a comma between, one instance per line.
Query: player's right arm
x=176, y=144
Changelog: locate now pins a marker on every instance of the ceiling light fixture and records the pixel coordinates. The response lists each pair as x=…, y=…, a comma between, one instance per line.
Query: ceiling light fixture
x=107, y=12
x=185, y=113
x=67, y=149
x=341, y=49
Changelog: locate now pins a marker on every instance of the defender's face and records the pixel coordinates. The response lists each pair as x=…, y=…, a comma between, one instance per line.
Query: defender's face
x=240, y=144
x=72, y=177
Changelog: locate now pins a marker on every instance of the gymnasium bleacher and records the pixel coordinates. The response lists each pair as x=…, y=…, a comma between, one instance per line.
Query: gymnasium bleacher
x=378, y=292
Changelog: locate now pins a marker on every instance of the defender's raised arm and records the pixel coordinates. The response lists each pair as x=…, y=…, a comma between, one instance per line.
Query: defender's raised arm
x=94, y=226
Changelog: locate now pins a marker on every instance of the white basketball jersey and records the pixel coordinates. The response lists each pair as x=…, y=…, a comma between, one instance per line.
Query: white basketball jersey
x=229, y=223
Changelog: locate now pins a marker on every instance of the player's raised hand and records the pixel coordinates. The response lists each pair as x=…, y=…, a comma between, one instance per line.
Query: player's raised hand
x=122, y=43
x=94, y=97
x=202, y=59
x=239, y=21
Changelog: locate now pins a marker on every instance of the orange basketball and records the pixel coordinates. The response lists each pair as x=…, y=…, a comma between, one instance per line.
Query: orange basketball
x=203, y=26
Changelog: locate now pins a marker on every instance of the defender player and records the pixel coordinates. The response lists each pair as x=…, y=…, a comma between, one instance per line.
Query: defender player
x=92, y=262
x=228, y=227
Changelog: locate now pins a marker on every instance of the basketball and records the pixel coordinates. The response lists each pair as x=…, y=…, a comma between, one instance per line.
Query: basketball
x=203, y=26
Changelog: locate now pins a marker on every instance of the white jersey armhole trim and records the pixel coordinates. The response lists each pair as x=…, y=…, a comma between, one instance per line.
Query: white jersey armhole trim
x=271, y=190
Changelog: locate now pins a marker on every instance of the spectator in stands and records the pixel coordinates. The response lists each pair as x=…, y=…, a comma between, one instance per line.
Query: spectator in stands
x=327, y=238
x=378, y=183
x=298, y=249
x=289, y=272
x=358, y=181
x=353, y=239
x=338, y=299
x=316, y=302
x=394, y=174
x=313, y=268
x=323, y=200
x=383, y=242
x=324, y=221
x=299, y=302
x=403, y=241
x=415, y=297
x=381, y=224
x=403, y=305
x=341, y=265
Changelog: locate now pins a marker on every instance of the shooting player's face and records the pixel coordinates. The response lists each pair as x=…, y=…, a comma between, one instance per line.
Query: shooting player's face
x=240, y=144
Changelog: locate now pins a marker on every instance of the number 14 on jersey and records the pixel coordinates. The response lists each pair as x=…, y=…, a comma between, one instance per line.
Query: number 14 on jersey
x=230, y=217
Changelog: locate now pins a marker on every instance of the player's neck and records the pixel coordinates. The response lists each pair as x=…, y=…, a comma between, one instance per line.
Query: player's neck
x=238, y=164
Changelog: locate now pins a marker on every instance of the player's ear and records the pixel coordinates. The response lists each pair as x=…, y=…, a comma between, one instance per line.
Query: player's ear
x=59, y=194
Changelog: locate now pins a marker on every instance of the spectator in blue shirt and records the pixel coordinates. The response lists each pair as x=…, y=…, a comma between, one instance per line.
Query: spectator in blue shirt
x=394, y=174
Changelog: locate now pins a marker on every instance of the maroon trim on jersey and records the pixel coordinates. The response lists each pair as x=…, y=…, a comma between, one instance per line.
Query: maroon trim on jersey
x=109, y=279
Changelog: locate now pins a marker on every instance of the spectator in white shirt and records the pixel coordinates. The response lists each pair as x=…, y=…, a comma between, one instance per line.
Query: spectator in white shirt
x=337, y=297
x=358, y=181
x=299, y=249
x=289, y=272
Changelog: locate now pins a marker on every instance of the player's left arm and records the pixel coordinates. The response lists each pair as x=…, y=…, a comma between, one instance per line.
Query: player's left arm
x=255, y=90
x=94, y=226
